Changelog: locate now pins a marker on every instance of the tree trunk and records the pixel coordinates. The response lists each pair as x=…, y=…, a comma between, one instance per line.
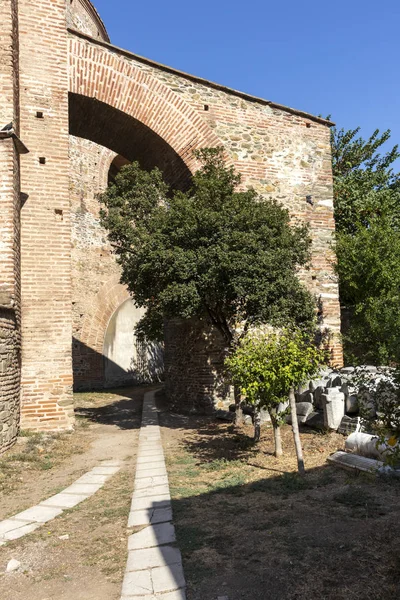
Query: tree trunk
x=238, y=408
x=257, y=424
x=278, y=440
x=296, y=434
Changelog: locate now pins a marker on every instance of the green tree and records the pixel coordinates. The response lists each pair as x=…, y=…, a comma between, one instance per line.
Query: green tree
x=367, y=213
x=267, y=367
x=215, y=250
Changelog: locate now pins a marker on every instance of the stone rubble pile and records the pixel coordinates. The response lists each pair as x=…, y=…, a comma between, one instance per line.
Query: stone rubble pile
x=334, y=400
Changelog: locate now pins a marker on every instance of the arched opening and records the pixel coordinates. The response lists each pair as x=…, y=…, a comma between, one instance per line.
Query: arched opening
x=126, y=360
x=103, y=140
x=109, y=127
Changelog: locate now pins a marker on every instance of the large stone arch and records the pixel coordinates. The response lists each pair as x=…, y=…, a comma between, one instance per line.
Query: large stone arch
x=100, y=75
x=115, y=104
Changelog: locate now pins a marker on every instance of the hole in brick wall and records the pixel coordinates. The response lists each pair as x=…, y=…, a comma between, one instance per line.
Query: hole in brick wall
x=308, y=125
x=42, y=160
x=313, y=277
x=206, y=107
x=59, y=214
x=39, y=114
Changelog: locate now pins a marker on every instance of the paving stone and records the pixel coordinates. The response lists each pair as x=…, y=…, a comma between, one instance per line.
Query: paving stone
x=111, y=463
x=64, y=500
x=151, y=490
x=9, y=525
x=153, y=452
x=149, y=460
x=149, y=558
x=15, y=534
x=151, y=481
x=39, y=514
x=155, y=535
x=160, y=501
x=166, y=579
x=138, y=582
x=177, y=595
x=105, y=470
x=85, y=489
x=145, y=473
x=150, y=516
x=90, y=478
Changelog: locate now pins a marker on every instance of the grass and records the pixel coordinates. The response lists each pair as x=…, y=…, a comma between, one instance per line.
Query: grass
x=246, y=522
x=37, y=452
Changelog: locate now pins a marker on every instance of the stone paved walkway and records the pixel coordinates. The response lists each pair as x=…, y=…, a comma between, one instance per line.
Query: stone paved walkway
x=154, y=568
x=27, y=521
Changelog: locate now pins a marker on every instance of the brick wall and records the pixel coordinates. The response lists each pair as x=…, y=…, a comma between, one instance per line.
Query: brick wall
x=9, y=231
x=46, y=228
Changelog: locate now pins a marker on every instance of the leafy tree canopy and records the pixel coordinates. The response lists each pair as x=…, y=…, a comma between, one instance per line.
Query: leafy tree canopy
x=216, y=249
x=365, y=184
x=367, y=212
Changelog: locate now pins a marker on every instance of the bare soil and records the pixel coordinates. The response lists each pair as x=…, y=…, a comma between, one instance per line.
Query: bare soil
x=89, y=565
x=250, y=528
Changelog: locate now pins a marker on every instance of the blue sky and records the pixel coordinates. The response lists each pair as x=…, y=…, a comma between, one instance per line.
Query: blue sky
x=340, y=58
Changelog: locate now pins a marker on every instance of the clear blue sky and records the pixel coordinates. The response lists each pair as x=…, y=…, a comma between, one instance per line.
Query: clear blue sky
x=340, y=58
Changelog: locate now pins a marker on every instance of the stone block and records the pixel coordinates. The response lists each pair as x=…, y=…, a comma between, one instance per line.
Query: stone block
x=154, y=535
x=349, y=425
x=64, y=500
x=333, y=407
x=149, y=517
x=137, y=583
x=15, y=534
x=149, y=558
x=166, y=579
x=303, y=410
x=39, y=514
x=151, y=502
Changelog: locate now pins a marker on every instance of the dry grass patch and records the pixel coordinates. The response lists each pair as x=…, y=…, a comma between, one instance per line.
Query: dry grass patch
x=250, y=527
x=39, y=452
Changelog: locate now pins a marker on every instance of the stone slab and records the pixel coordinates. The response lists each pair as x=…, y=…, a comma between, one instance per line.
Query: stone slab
x=154, y=535
x=167, y=579
x=15, y=534
x=177, y=595
x=85, y=489
x=10, y=524
x=90, y=478
x=148, y=517
x=150, y=460
x=151, y=490
x=149, y=453
x=149, y=558
x=145, y=473
x=355, y=462
x=64, y=500
x=105, y=470
x=137, y=583
x=160, y=501
x=151, y=481
x=39, y=514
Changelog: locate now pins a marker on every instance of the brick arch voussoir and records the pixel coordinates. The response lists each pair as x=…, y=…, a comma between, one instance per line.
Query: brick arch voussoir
x=98, y=72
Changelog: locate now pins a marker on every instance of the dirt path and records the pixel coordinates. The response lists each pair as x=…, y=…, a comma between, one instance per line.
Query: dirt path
x=89, y=565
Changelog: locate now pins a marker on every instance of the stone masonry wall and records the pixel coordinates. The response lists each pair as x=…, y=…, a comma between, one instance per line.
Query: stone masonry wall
x=282, y=154
x=46, y=229
x=93, y=265
x=10, y=343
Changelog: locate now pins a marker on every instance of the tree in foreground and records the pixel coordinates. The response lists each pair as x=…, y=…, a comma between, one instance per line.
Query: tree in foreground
x=215, y=250
x=367, y=214
x=267, y=367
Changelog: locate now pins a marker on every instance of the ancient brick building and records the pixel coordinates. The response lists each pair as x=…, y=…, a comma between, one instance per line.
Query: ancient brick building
x=73, y=109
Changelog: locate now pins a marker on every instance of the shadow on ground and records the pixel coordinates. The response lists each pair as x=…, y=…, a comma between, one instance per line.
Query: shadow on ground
x=250, y=528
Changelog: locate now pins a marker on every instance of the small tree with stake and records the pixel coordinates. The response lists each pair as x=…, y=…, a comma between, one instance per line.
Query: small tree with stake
x=267, y=367
x=215, y=250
